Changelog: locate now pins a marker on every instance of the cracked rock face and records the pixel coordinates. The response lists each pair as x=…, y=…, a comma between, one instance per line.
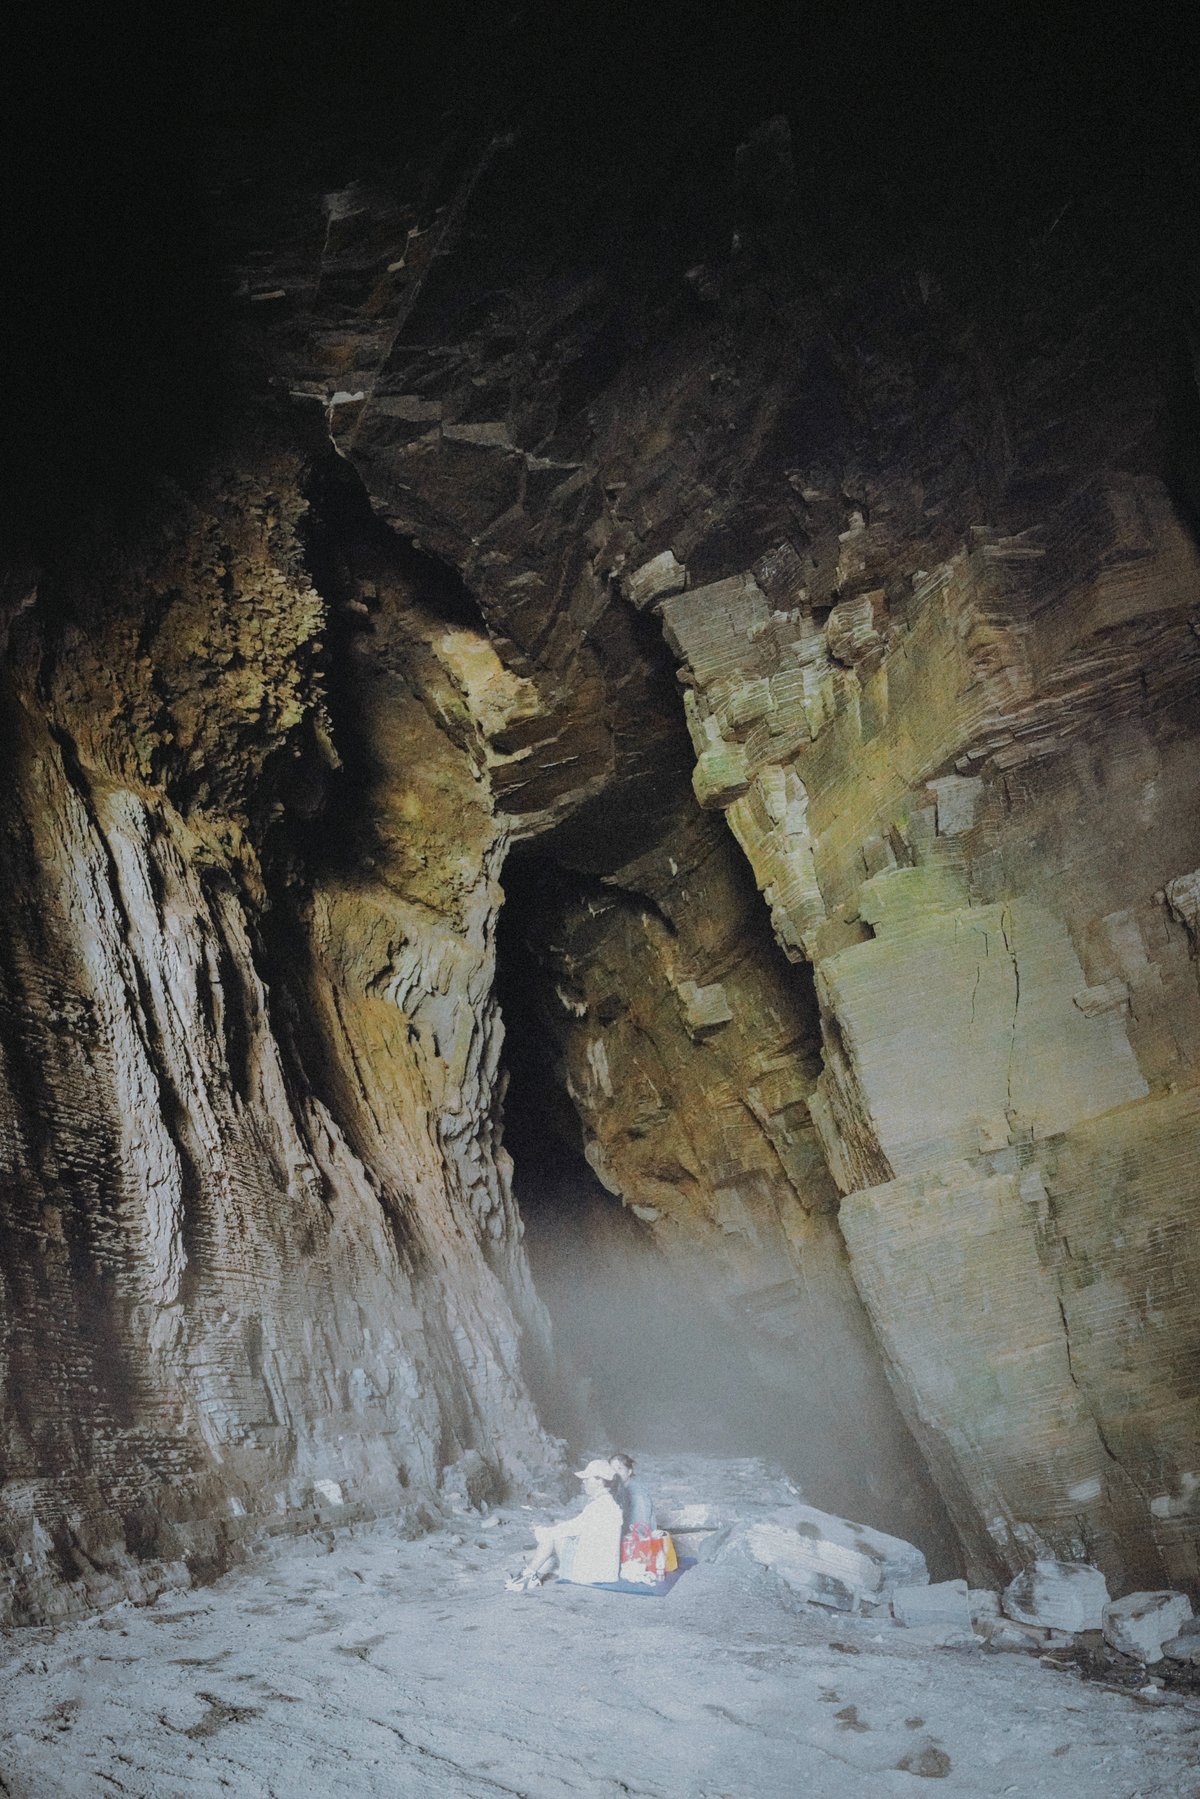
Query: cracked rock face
x=818, y=633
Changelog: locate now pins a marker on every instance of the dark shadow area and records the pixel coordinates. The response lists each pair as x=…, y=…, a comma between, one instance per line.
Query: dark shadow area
x=112, y=312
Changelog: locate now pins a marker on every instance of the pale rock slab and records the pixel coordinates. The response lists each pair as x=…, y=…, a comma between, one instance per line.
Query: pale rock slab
x=1068, y=1596
x=830, y=1561
x=1003, y=1633
x=1140, y=1623
x=982, y=1603
x=720, y=775
x=944, y=1605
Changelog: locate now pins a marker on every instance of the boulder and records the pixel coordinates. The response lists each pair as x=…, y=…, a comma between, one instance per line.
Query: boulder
x=705, y=1009
x=832, y=1562
x=1140, y=1623
x=1186, y=1646
x=696, y=1516
x=942, y=1606
x=1068, y=1596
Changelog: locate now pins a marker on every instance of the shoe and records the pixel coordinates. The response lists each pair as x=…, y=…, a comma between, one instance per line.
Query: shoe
x=523, y=1583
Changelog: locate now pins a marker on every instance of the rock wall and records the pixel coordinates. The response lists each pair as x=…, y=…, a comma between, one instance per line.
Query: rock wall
x=880, y=546
x=970, y=814
x=921, y=557
x=260, y=1260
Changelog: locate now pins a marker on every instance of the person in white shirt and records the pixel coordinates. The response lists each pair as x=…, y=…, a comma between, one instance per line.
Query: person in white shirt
x=585, y=1549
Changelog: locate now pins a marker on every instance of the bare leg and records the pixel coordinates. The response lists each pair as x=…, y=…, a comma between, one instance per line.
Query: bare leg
x=544, y=1560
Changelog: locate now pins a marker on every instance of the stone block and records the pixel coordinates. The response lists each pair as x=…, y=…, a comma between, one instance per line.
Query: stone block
x=1110, y=996
x=746, y=705
x=943, y=1605
x=832, y=1562
x=655, y=580
x=1068, y=1596
x=850, y=630
x=982, y=1603
x=697, y=1516
x=720, y=775
x=1140, y=1623
x=710, y=627
x=1003, y=1633
x=957, y=798
x=1186, y=1646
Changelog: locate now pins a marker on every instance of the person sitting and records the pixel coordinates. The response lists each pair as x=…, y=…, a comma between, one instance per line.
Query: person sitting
x=632, y=1494
x=585, y=1549
x=647, y=1554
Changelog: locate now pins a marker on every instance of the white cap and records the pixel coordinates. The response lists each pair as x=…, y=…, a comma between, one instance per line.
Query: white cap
x=596, y=1470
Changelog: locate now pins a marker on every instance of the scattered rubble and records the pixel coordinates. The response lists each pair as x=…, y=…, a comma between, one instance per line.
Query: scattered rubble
x=1186, y=1646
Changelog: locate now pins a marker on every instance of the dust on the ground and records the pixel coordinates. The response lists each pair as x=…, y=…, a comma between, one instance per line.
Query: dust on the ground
x=364, y=1665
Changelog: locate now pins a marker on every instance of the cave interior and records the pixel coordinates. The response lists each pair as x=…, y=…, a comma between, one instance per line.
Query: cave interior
x=601, y=632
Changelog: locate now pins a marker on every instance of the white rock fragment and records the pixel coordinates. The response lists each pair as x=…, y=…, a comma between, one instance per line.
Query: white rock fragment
x=656, y=580
x=982, y=1603
x=1002, y=1633
x=850, y=628
x=1183, y=897
x=1186, y=1646
x=832, y=1562
x=942, y=1606
x=1140, y=1623
x=1110, y=996
x=1068, y=1596
x=329, y=1491
x=696, y=1516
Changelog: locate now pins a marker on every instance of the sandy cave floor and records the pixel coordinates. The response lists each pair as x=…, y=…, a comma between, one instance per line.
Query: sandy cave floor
x=365, y=1665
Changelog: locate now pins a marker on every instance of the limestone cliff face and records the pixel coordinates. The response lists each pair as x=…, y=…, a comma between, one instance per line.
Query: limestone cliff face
x=259, y=1251
x=975, y=821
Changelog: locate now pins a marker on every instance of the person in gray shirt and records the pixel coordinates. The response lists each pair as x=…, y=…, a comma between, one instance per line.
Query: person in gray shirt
x=631, y=1494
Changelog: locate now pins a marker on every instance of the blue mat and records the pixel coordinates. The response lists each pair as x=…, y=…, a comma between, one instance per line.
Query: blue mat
x=659, y=1590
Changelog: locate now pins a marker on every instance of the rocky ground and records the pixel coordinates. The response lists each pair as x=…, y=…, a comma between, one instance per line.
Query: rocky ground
x=359, y=1664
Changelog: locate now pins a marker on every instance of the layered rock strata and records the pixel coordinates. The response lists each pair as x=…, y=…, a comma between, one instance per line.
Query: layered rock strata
x=261, y=1259
x=970, y=814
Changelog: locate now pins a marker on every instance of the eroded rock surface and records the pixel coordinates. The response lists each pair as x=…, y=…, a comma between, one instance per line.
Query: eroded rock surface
x=261, y=1256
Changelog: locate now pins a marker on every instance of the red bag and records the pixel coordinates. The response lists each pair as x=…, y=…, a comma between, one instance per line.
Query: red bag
x=647, y=1555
